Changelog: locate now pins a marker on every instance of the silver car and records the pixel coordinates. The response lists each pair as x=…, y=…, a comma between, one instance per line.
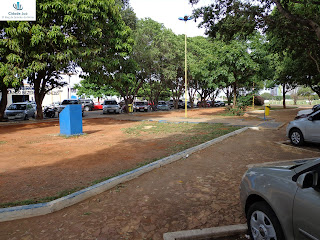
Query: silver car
x=305, y=129
x=21, y=110
x=70, y=102
x=111, y=106
x=283, y=201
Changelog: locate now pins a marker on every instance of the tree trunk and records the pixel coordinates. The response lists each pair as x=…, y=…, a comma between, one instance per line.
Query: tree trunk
x=284, y=96
x=234, y=95
x=38, y=97
x=3, y=101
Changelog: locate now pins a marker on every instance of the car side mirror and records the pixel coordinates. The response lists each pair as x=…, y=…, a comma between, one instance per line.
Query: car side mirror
x=310, y=118
x=308, y=180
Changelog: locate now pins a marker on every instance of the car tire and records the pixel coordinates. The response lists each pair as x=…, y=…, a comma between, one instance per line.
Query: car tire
x=26, y=117
x=87, y=109
x=263, y=223
x=296, y=137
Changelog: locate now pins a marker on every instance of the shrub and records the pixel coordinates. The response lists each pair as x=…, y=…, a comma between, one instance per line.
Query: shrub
x=267, y=96
x=258, y=100
x=237, y=111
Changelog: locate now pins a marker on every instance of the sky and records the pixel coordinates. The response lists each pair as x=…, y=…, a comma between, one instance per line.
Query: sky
x=168, y=12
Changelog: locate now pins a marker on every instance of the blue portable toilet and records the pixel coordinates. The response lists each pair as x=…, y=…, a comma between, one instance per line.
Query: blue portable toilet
x=70, y=120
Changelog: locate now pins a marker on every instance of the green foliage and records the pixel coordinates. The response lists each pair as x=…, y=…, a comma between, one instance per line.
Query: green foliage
x=266, y=96
x=89, y=33
x=234, y=111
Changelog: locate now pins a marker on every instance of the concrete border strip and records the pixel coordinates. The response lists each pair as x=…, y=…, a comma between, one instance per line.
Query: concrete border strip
x=282, y=162
x=207, y=233
x=27, y=211
x=295, y=148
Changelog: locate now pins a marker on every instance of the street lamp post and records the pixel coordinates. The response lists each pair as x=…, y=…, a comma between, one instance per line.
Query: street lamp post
x=185, y=19
x=69, y=74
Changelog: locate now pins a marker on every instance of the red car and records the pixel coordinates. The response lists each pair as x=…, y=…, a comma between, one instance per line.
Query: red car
x=97, y=106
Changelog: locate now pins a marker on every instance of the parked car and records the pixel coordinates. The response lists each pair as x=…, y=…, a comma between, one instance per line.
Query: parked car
x=88, y=104
x=34, y=104
x=141, y=106
x=97, y=106
x=204, y=104
x=282, y=201
x=180, y=104
x=219, y=104
x=307, y=112
x=70, y=102
x=54, y=105
x=111, y=106
x=20, y=110
x=305, y=129
x=163, y=106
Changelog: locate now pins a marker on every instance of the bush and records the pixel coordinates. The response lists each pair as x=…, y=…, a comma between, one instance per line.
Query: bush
x=238, y=111
x=258, y=100
x=267, y=96
x=245, y=101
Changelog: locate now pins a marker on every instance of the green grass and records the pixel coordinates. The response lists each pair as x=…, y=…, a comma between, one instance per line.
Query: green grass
x=186, y=134
x=2, y=142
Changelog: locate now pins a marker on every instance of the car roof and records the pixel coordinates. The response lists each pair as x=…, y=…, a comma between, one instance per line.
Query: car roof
x=21, y=103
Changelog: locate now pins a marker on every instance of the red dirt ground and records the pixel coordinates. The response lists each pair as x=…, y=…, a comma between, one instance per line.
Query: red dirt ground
x=36, y=162
x=200, y=191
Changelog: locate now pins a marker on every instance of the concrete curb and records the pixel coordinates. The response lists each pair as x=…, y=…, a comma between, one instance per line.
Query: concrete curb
x=27, y=211
x=294, y=147
x=207, y=233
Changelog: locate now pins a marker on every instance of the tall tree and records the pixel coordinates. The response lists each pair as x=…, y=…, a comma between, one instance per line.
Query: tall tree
x=12, y=71
x=83, y=31
x=233, y=65
x=155, y=53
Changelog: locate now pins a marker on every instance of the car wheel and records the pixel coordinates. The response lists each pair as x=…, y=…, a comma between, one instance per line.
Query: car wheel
x=263, y=222
x=26, y=117
x=86, y=108
x=296, y=137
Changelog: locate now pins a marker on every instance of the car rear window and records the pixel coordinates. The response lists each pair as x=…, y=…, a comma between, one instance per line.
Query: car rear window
x=110, y=102
x=140, y=103
x=67, y=102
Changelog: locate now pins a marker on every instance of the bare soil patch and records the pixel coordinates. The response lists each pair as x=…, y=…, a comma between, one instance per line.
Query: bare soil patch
x=37, y=163
x=200, y=191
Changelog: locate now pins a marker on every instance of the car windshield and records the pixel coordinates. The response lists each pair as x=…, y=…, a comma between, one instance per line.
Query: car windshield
x=67, y=102
x=110, y=102
x=140, y=103
x=17, y=107
x=162, y=103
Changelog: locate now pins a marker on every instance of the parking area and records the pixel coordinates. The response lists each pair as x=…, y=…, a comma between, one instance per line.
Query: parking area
x=199, y=191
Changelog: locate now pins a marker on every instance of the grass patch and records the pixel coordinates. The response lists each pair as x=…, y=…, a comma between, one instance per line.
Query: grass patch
x=74, y=136
x=186, y=135
x=41, y=200
x=2, y=142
